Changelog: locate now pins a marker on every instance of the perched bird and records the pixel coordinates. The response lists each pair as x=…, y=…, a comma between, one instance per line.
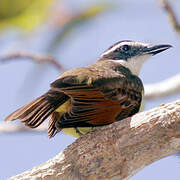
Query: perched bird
x=102, y=93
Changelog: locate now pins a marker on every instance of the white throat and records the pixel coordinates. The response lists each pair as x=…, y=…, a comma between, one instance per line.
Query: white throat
x=134, y=64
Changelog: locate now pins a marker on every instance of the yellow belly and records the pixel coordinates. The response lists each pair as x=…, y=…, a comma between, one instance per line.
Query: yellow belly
x=64, y=107
x=142, y=102
x=71, y=131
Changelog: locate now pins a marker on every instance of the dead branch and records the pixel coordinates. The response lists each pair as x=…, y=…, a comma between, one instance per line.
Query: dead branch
x=171, y=15
x=165, y=88
x=35, y=57
x=116, y=151
x=15, y=128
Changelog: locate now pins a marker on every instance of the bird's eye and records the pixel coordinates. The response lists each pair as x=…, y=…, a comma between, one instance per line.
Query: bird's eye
x=126, y=48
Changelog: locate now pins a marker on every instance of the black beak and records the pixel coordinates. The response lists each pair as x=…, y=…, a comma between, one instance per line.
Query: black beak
x=156, y=49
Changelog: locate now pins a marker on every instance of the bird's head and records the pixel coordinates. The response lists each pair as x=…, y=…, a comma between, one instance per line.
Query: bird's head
x=132, y=54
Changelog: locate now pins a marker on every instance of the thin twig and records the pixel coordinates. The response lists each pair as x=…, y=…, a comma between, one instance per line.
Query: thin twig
x=37, y=58
x=171, y=15
x=16, y=128
x=165, y=88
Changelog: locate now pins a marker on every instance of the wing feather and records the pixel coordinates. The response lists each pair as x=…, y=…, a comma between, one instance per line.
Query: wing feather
x=99, y=104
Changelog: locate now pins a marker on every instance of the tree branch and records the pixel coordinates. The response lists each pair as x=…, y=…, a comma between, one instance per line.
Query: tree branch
x=35, y=57
x=116, y=151
x=15, y=128
x=171, y=14
x=165, y=88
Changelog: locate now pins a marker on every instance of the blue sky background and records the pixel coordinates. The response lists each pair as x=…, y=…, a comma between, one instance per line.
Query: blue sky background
x=22, y=81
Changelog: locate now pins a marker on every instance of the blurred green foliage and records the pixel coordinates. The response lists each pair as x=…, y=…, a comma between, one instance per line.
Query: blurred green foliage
x=26, y=14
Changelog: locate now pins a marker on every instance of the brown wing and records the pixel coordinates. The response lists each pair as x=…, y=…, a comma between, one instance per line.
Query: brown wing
x=104, y=101
x=34, y=113
x=93, y=100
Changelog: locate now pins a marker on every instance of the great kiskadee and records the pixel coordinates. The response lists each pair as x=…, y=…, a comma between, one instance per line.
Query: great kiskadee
x=99, y=94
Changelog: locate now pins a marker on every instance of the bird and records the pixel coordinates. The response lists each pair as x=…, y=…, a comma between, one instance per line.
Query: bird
x=96, y=95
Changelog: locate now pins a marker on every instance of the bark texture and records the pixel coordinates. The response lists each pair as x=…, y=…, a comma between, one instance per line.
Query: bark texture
x=116, y=151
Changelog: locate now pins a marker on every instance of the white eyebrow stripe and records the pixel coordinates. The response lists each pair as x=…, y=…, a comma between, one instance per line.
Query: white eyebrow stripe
x=121, y=44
